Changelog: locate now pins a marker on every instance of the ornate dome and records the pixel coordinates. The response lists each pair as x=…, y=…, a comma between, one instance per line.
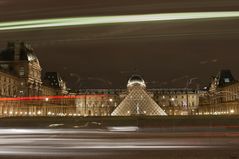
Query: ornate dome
x=136, y=80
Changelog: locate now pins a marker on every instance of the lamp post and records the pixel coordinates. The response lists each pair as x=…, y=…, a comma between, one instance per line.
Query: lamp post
x=173, y=99
x=189, y=82
x=46, y=106
x=110, y=105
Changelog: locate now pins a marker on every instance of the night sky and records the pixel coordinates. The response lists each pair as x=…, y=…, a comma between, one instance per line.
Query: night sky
x=166, y=54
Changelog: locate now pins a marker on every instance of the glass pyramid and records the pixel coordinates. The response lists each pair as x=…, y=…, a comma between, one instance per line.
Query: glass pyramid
x=137, y=102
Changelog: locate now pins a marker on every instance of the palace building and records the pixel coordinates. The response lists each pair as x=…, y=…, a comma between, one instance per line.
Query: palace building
x=221, y=97
x=24, y=92
x=20, y=77
x=21, y=71
x=138, y=100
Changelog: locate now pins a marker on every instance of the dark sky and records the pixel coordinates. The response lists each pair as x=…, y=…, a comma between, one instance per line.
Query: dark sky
x=104, y=56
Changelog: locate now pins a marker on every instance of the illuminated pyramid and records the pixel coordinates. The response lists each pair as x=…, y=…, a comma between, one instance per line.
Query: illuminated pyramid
x=138, y=101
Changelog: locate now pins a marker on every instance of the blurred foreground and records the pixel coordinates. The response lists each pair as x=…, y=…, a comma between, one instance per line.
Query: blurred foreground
x=134, y=137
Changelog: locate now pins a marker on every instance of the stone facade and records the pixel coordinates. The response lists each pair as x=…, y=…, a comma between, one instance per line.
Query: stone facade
x=9, y=85
x=176, y=101
x=20, y=72
x=20, y=81
x=19, y=60
x=98, y=102
x=222, y=97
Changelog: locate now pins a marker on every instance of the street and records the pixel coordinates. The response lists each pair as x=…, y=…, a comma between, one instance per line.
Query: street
x=120, y=142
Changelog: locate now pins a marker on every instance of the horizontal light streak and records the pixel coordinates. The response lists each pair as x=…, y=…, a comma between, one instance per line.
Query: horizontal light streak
x=46, y=98
x=94, y=20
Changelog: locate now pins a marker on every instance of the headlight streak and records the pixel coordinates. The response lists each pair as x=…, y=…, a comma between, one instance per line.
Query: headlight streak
x=95, y=20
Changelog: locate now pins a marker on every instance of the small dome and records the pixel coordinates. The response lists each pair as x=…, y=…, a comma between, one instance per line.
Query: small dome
x=136, y=80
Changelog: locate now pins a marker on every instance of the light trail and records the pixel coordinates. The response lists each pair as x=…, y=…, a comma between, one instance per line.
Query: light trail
x=93, y=143
x=94, y=20
x=50, y=97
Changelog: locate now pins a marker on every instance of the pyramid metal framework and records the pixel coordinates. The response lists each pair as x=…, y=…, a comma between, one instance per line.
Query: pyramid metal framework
x=138, y=102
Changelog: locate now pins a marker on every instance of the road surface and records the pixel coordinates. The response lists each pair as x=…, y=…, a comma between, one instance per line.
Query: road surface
x=117, y=142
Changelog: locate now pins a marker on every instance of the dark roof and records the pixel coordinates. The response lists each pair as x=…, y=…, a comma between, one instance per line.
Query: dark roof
x=225, y=77
x=25, y=51
x=52, y=79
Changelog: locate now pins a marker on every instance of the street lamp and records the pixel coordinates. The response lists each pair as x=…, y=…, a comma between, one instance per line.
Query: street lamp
x=173, y=99
x=46, y=99
x=232, y=111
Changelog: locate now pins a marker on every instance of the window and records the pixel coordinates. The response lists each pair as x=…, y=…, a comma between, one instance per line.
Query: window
x=4, y=66
x=226, y=80
x=21, y=71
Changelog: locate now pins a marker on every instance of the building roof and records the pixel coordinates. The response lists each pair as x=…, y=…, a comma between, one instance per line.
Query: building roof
x=18, y=51
x=225, y=77
x=53, y=79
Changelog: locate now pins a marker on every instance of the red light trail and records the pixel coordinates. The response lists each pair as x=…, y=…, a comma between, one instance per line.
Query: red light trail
x=51, y=97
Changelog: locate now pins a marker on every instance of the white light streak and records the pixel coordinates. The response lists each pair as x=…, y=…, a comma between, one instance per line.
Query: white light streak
x=94, y=20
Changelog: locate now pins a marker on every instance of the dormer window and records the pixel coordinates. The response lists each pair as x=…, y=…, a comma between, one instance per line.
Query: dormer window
x=226, y=80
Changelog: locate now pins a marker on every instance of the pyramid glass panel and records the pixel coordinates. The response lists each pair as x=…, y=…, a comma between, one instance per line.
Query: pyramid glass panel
x=138, y=101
